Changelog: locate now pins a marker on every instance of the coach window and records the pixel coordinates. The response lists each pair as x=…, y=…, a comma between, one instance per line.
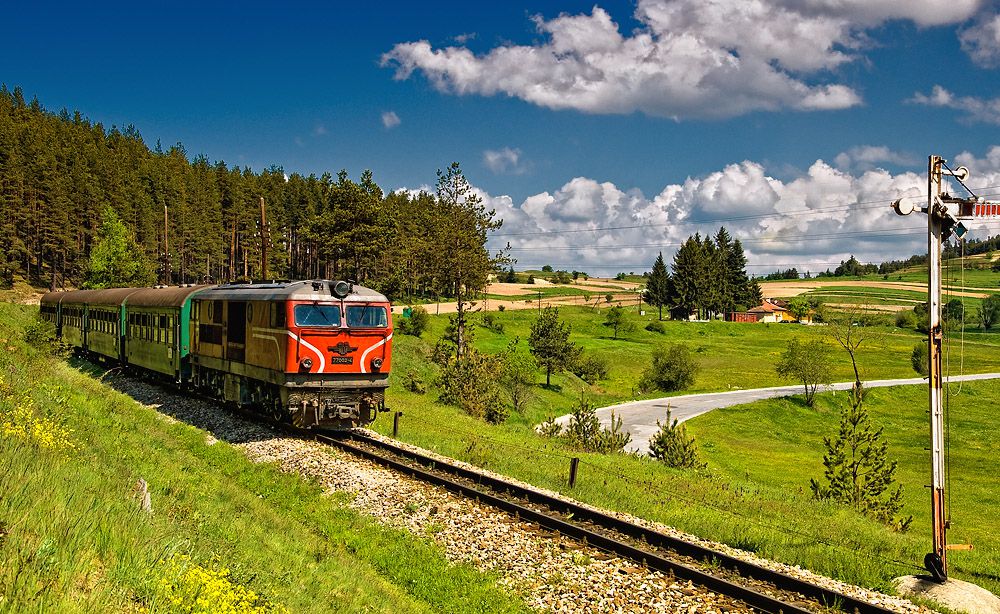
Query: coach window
x=366, y=316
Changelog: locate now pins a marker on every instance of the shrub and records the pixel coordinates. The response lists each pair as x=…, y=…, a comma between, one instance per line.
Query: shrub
x=591, y=368
x=906, y=319
x=471, y=384
x=585, y=430
x=518, y=375
x=550, y=428
x=415, y=383
x=672, y=446
x=501, y=308
x=41, y=334
x=547, y=268
x=673, y=368
x=656, y=327
x=609, y=297
x=919, y=358
x=416, y=324
x=491, y=322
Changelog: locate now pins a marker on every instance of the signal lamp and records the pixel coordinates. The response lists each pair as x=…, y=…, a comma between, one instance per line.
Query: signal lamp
x=341, y=289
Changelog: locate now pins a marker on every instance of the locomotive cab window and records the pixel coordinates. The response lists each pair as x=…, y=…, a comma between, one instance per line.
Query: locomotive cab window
x=317, y=315
x=366, y=316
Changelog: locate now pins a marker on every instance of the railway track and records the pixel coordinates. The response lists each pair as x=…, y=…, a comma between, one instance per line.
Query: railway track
x=761, y=589
x=757, y=587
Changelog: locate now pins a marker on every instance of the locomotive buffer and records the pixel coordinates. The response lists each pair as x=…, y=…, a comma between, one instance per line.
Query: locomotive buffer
x=944, y=215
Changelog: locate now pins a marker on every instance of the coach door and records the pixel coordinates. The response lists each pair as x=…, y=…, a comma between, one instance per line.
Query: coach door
x=236, y=330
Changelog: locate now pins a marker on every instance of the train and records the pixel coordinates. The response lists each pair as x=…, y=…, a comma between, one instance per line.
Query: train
x=313, y=353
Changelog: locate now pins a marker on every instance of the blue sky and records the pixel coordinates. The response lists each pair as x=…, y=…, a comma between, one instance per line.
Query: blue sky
x=601, y=131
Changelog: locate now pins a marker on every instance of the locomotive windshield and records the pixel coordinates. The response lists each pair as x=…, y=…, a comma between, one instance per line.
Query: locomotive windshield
x=317, y=315
x=366, y=316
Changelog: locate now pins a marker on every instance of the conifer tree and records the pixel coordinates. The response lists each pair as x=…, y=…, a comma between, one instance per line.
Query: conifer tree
x=672, y=445
x=658, y=286
x=858, y=471
x=550, y=344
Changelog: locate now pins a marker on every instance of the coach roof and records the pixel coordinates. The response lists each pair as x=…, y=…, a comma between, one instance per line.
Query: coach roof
x=168, y=296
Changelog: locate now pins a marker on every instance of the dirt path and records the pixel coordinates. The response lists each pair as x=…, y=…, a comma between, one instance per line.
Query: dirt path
x=795, y=288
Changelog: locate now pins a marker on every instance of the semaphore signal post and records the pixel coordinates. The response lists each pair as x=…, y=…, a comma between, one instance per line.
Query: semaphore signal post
x=944, y=215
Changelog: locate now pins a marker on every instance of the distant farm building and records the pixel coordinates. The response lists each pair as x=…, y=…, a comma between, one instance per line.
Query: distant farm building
x=771, y=311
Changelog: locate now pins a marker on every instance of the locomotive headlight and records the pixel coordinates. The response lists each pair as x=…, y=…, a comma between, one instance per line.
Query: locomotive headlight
x=306, y=363
x=376, y=363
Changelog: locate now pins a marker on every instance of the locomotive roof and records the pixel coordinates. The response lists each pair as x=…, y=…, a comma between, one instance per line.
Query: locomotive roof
x=306, y=290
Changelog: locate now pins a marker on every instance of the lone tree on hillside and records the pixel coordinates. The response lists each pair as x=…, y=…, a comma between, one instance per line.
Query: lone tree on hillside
x=658, y=286
x=461, y=227
x=848, y=329
x=809, y=363
x=858, y=472
x=989, y=311
x=117, y=261
x=550, y=344
x=618, y=320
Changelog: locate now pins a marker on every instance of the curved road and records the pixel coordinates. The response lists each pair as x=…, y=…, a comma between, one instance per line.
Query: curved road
x=639, y=417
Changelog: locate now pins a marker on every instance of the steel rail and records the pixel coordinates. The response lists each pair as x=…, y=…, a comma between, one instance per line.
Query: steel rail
x=755, y=599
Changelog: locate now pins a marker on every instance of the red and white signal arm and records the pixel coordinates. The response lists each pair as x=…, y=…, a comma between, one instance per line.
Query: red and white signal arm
x=981, y=209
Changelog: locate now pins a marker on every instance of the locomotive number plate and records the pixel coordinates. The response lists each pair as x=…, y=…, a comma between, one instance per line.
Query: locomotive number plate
x=341, y=360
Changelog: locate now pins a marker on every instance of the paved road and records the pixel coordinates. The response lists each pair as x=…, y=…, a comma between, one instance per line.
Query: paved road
x=639, y=417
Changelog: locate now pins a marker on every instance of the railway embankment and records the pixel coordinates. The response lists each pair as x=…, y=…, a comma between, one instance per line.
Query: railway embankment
x=219, y=531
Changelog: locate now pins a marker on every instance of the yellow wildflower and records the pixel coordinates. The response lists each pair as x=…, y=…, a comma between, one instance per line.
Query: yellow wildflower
x=190, y=587
x=22, y=423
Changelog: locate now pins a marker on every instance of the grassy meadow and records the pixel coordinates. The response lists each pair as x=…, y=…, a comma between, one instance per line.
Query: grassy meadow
x=754, y=493
x=223, y=533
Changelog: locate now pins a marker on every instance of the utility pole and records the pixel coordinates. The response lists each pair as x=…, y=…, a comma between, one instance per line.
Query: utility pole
x=943, y=214
x=263, y=240
x=166, y=247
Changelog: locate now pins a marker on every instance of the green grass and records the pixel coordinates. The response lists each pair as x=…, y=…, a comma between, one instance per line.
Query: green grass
x=777, y=443
x=72, y=537
x=748, y=497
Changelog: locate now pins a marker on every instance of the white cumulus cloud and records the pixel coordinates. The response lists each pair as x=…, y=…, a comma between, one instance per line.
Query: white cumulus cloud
x=390, y=120
x=504, y=161
x=688, y=59
x=868, y=157
x=982, y=41
x=975, y=109
x=811, y=222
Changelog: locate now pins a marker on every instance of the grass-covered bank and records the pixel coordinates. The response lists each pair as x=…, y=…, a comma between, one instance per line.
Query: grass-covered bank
x=73, y=537
x=768, y=510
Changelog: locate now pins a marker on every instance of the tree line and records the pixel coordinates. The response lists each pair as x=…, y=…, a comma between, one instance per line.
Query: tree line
x=190, y=220
x=708, y=277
